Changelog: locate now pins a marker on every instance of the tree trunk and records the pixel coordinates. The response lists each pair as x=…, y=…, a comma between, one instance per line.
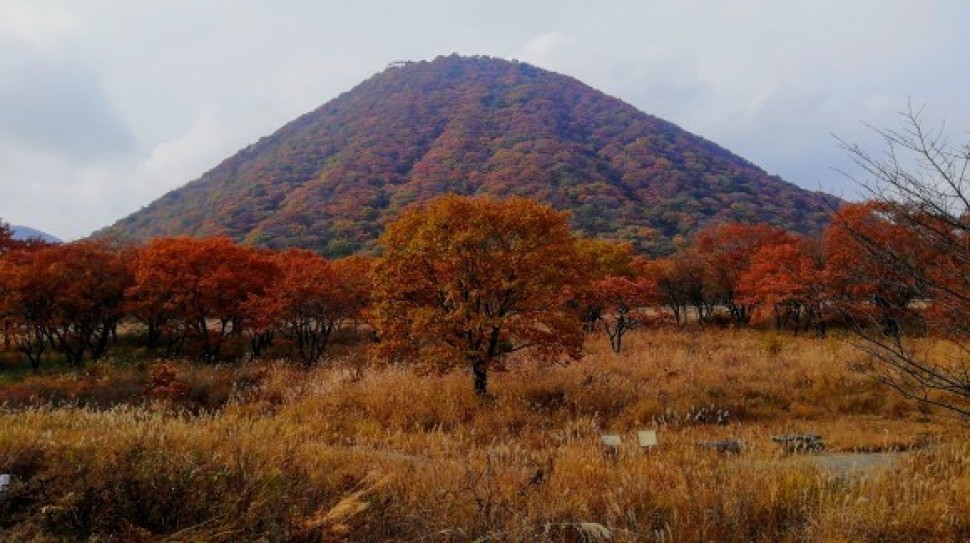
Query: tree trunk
x=617, y=341
x=820, y=329
x=616, y=333
x=154, y=335
x=480, y=373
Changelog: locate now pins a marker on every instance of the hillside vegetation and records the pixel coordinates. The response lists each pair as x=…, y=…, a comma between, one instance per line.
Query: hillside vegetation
x=329, y=180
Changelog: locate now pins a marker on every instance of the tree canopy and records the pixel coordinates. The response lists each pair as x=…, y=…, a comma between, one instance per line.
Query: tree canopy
x=464, y=281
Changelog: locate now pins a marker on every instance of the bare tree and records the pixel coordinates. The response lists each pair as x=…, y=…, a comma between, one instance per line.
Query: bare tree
x=919, y=182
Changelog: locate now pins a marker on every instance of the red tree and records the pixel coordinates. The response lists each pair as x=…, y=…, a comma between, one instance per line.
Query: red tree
x=603, y=259
x=725, y=252
x=874, y=265
x=679, y=284
x=199, y=289
x=310, y=299
x=26, y=305
x=790, y=279
x=622, y=299
x=68, y=296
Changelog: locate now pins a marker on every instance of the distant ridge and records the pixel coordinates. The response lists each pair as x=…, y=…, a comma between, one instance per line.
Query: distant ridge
x=24, y=233
x=330, y=179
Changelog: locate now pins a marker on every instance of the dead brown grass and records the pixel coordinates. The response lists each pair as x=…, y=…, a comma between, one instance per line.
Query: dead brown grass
x=389, y=455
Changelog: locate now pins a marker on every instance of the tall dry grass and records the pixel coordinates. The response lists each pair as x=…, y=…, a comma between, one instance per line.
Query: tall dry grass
x=387, y=454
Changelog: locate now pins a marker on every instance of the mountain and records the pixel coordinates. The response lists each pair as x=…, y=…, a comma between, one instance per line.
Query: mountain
x=24, y=233
x=330, y=179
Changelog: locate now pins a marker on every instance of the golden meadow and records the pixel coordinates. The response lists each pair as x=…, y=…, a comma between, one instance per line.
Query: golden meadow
x=355, y=451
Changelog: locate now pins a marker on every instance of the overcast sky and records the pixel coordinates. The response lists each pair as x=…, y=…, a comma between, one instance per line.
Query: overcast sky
x=107, y=104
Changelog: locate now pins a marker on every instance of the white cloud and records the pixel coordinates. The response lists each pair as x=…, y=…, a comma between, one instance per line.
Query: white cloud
x=39, y=23
x=545, y=49
x=175, y=162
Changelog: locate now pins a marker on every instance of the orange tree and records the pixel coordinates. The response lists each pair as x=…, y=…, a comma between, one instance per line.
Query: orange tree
x=66, y=296
x=464, y=281
x=310, y=299
x=199, y=289
x=678, y=283
x=876, y=266
x=790, y=279
x=88, y=280
x=355, y=275
x=26, y=305
x=725, y=251
x=603, y=259
x=622, y=299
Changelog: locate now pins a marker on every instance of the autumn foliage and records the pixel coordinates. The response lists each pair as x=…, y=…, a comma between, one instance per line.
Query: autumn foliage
x=789, y=279
x=461, y=282
x=330, y=180
x=310, y=299
x=866, y=284
x=190, y=297
x=623, y=302
x=725, y=252
x=464, y=281
x=199, y=290
x=68, y=297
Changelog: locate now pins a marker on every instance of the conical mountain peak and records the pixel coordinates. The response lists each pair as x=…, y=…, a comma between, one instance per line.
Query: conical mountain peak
x=332, y=178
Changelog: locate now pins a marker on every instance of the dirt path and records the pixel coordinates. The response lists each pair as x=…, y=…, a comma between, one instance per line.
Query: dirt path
x=844, y=464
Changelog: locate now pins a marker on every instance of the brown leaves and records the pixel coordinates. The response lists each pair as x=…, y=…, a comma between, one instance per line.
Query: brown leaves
x=311, y=297
x=67, y=295
x=190, y=283
x=470, y=279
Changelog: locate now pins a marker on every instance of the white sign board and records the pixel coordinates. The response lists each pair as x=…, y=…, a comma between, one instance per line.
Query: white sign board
x=611, y=441
x=4, y=481
x=647, y=438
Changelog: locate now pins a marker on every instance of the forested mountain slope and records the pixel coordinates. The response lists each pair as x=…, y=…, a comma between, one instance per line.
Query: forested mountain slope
x=473, y=125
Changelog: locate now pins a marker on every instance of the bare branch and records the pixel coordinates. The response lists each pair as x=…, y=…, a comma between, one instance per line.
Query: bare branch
x=919, y=184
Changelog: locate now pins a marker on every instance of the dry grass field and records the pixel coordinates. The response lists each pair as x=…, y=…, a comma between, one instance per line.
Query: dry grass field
x=356, y=452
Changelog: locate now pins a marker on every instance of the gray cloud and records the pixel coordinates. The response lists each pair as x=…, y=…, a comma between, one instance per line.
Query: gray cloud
x=61, y=109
